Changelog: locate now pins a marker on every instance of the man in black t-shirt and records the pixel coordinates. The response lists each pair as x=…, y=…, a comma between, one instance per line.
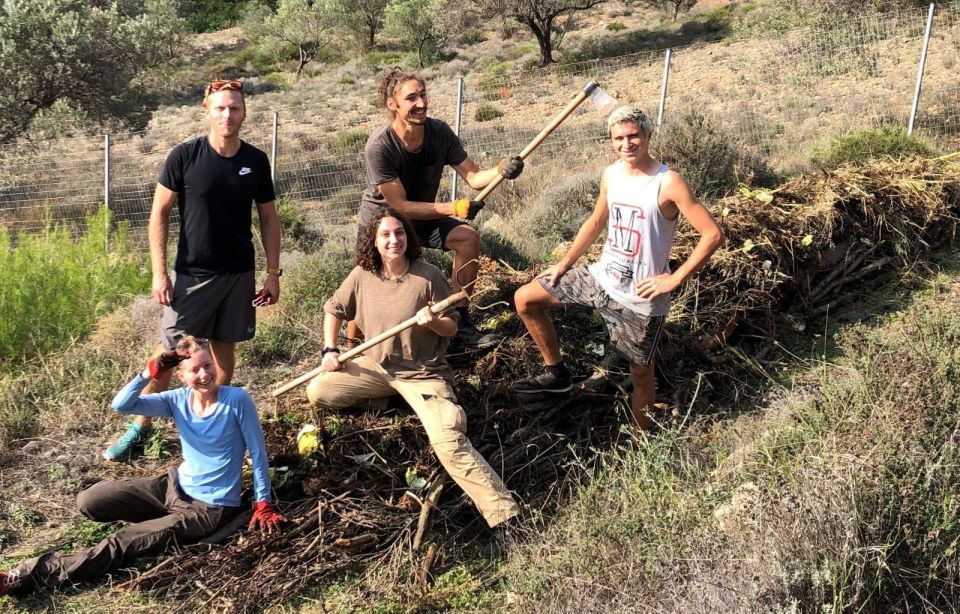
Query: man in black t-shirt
x=405, y=161
x=214, y=181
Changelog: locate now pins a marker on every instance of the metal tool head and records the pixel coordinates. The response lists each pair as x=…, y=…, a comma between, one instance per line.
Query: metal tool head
x=604, y=102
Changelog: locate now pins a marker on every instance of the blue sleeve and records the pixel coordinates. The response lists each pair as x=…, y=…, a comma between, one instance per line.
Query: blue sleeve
x=253, y=439
x=129, y=401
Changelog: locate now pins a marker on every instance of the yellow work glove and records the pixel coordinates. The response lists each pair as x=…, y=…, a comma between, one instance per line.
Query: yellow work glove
x=466, y=208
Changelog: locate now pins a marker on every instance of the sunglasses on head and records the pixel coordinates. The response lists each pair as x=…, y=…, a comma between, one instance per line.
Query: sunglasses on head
x=216, y=86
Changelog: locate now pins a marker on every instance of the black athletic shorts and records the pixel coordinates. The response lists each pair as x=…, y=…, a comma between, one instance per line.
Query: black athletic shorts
x=433, y=233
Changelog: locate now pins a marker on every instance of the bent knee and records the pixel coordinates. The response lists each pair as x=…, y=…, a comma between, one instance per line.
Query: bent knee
x=321, y=395
x=463, y=238
x=88, y=502
x=530, y=297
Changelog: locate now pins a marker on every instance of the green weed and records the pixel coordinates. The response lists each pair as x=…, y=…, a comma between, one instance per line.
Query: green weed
x=861, y=146
x=350, y=141
x=82, y=278
x=486, y=111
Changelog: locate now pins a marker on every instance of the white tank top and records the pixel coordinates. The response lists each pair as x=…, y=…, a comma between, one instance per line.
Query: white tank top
x=639, y=239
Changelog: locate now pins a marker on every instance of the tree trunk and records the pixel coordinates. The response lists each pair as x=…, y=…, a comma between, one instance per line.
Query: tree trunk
x=303, y=62
x=544, y=40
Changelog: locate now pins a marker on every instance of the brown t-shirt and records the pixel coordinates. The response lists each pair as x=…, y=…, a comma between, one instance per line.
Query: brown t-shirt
x=419, y=172
x=378, y=304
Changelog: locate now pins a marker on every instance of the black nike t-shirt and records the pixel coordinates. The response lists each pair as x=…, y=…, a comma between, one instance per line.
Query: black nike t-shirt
x=419, y=172
x=215, y=197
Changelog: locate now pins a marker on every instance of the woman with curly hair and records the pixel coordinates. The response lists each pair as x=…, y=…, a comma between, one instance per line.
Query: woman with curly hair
x=390, y=284
x=217, y=424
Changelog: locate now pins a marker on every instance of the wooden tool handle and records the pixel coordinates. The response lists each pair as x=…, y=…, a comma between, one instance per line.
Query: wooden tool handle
x=440, y=307
x=564, y=114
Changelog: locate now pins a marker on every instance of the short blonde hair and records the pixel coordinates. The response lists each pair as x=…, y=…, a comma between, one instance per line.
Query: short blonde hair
x=630, y=114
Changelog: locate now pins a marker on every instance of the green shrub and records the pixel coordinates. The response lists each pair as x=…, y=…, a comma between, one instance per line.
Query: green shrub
x=487, y=111
x=56, y=286
x=259, y=61
x=296, y=229
x=350, y=141
x=710, y=158
x=616, y=26
x=212, y=15
x=378, y=60
x=294, y=330
x=886, y=141
x=714, y=26
x=346, y=80
x=472, y=36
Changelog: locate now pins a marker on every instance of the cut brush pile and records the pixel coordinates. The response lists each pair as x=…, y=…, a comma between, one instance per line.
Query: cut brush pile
x=373, y=495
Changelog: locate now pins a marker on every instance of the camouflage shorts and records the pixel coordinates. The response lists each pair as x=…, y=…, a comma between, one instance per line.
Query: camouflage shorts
x=633, y=334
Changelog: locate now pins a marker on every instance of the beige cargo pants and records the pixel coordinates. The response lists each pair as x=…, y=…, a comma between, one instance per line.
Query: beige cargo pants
x=444, y=420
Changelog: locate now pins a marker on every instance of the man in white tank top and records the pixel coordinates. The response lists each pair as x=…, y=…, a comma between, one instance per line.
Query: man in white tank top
x=639, y=203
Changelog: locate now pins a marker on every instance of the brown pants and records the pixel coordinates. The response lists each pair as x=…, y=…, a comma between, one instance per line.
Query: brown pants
x=436, y=405
x=164, y=517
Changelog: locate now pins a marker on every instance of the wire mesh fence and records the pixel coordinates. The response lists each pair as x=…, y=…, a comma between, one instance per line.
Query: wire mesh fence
x=776, y=96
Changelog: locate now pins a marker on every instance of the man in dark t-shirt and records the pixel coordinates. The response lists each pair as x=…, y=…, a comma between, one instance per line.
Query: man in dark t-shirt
x=214, y=181
x=405, y=161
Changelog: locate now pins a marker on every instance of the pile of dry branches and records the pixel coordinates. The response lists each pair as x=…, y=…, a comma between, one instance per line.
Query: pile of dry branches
x=372, y=492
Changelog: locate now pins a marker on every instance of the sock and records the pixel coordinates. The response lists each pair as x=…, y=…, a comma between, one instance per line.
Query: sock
x=464, y=317
x=558, y=370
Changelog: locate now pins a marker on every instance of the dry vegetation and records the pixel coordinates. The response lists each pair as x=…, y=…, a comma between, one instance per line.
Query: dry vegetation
x=792, y=470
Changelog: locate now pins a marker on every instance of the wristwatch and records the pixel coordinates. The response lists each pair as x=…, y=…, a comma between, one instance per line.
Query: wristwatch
x=274, y=271
x=327, y=349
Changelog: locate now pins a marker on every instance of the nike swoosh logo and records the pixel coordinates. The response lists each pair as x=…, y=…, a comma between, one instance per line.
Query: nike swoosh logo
x=250, y=329
x=245, y=171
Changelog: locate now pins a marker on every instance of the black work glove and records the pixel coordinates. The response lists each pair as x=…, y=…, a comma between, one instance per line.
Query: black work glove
x=159, y=366
x=511, y=169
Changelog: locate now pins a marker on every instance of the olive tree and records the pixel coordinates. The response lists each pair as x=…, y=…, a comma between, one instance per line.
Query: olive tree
x=85, y=54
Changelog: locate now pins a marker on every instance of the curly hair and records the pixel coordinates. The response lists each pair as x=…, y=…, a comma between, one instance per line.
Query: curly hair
x=367, y=256
x=391, y=79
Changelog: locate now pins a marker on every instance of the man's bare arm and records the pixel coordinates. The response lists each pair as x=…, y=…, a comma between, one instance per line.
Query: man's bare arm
x=163, y=201
x=476, y=177
x=674, y=192
x=396, y=197
x=270, y=235
x=588, y=233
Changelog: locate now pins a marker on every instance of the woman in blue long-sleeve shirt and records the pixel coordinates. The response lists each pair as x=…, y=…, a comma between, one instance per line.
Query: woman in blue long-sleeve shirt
x=216, y=425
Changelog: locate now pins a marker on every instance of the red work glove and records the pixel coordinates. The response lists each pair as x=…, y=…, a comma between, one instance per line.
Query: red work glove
x=161, y=365
x=267, y=516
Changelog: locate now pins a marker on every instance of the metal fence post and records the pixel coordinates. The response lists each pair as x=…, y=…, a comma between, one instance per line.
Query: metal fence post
x=456, y=129
x=273, y=147
x=923, y=62
x=663, y=87
x=106, y=187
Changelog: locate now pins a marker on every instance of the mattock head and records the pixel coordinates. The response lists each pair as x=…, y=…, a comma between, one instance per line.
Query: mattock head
x=604, y=102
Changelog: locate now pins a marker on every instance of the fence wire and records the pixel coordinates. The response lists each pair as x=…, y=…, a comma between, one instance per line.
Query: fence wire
x=775, y=96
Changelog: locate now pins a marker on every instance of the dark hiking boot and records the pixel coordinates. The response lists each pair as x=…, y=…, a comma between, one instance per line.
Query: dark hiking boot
x=544, y=382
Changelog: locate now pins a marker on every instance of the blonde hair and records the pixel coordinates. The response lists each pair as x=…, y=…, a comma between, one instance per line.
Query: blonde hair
x=630, y=114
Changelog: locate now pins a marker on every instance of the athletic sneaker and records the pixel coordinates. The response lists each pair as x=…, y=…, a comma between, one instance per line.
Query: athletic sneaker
x=123, y=447
x=471, y=337
x=9, y=581
x=545, y=382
